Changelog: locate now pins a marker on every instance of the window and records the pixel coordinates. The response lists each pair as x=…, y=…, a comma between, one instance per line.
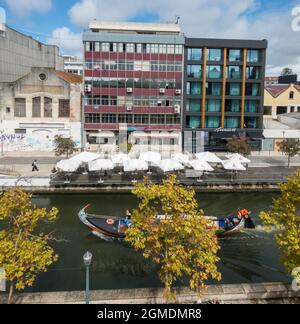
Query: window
x=193, y=105
x=130, y=48
x=252, y=72
x=214, y=72
x=291, y=95
x=232, y=122
x=97, y=47
x=251, y=106
x=234, y=55
x=281, y=110
x=212, y=122
x=252, y=56
x=194, y=54
x=47, y=107
x=252, y=89
x=213, y=105
x=178, y=49
x=36, y=107
x=64, y=108
x=87, y=46
x=8, y=110
x=292, y=109
x=233, y=106
x=120, y=48
x=267, y=110
x=250, y=122
x=213, y=88
x=194, y=71
x=139, y=48
x=234, y=89
x=170, y=49
x=42, y=76
x=193, y=122
x=234, y=72
x=214, y=54
x=20, y=131
x=105, y=47
x=193, y=88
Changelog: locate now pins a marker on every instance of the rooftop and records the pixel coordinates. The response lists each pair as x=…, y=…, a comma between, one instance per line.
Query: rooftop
x=69, y=77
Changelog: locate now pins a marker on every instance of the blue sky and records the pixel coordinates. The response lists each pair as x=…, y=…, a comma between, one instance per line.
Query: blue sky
x=61, y=22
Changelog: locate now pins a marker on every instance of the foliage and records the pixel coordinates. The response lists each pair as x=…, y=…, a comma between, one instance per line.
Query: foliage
x=286, y=71
x=126, y=147
x=183, y=244
x=24, y=253
x=285, y=216
x=64, y=145
x=291, y=148
x=236, y=145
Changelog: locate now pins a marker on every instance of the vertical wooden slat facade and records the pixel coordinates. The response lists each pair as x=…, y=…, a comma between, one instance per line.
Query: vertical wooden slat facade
x=243, y=88
x=224, y=87
x=203, y=103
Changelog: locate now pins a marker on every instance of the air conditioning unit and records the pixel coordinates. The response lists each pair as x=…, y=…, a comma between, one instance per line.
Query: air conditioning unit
x=162, y=90
x=96, y=107
x=88, y=88
x=129, y=108
x=177, y=109
x=129, y=90
x=178, y=91
x=159, y=103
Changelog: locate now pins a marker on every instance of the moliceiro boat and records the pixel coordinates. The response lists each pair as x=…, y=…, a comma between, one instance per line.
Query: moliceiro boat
x=116, y=227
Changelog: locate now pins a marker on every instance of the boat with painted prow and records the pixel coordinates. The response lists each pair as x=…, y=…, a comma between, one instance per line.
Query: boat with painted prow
x=116, y=227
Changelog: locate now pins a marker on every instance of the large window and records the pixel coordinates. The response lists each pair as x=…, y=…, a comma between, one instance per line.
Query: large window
x=214, y=72
x=252, y=56
x=64, y=108
x=193, y=105
x=234, y=72
x=234, y=89
x=212, y=122
x=47, y=107
x=251, y=106
x=36, y=107
x=232, y=122
x=252, y=89
x=213, y=88
x=233, y=106
x=250, y=122
x=20, y=107
x=193, y=88
x=234, y=55
x=194, y=54
x=213, y=105
x=214, y=54
x=252, y=72
x=193, y=122
x=194, y=71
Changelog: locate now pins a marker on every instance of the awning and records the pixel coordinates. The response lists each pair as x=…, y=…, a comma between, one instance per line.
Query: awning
x=256, y=135
x=102, y=134
x=225, y=135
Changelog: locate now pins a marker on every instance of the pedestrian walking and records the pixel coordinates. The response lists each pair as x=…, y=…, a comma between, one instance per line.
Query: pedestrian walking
x=34, y=166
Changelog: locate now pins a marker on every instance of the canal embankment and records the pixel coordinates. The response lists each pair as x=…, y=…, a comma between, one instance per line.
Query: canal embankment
x=260, y=293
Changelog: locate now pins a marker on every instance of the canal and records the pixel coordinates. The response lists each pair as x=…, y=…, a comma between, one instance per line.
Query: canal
x=250, y=257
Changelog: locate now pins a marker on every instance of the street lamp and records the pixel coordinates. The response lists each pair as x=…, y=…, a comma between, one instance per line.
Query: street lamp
x=87, y=259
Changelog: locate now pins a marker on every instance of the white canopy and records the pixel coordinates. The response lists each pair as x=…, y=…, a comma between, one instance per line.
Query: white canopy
x=135, y=165
x=238, y=157
x=152, y=157
x=85, y=157
x=68, y=165
x=233, y=165
x=120, y=158
x=181, y=158
x=169, y=165
x=208, y=157
x=199, y=165
x=101, y=165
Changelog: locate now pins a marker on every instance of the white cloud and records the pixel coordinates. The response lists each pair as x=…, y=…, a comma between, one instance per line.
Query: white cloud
x=68, y=41
x=207, y=18
x=23, y=8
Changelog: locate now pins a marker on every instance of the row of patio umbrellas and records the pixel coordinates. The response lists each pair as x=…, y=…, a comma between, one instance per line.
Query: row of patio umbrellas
x=179, y=161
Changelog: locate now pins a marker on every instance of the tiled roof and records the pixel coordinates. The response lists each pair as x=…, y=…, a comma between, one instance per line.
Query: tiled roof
x=69, y=77
x=276, y=90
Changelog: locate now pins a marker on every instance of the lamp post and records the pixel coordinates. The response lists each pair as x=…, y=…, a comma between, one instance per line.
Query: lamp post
x=87, y=259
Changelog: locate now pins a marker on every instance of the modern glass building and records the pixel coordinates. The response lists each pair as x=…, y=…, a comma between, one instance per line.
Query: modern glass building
x=223, y=93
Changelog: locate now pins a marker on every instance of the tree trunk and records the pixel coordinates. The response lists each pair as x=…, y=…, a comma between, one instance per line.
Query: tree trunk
x=11, y=290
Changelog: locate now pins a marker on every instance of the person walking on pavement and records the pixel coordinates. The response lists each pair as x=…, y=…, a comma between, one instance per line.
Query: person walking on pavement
x=34, y=166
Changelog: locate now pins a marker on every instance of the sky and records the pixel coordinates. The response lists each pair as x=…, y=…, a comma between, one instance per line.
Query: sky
x=61, y=22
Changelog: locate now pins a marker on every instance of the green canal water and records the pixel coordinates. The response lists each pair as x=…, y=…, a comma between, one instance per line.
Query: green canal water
x=249, y=257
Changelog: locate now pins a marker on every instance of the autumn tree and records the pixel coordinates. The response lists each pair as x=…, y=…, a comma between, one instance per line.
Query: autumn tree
x=183, y=244
x=24, y=251
x=285, y=216
x=64, y=145
x=236, y=145
x=290, y=147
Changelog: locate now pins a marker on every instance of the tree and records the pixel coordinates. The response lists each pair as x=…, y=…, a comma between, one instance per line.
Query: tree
x=236, y=145
x=183, y=244
x=286, y=71
x=24, y=252
x=285, y=216
x=290, y=147
x=64, y=145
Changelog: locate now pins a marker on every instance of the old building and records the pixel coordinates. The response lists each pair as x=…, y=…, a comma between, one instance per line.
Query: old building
x=38, y=106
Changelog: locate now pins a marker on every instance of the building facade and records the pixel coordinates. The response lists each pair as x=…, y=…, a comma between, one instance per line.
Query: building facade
x=73, y=65
x=223, y=93
x=133, y=78
x=37, y=107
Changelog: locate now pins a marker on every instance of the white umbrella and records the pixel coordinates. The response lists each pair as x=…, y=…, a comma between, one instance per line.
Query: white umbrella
x=135, y=165
x=169, y=165
x=239, y=157
x=120, y=158
x=151, y=157
x=101, y=165
x=199, y=165
x=68, y=165
x=208, y=157
x=233, y=165
x=181, y=158
x=85, y=157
